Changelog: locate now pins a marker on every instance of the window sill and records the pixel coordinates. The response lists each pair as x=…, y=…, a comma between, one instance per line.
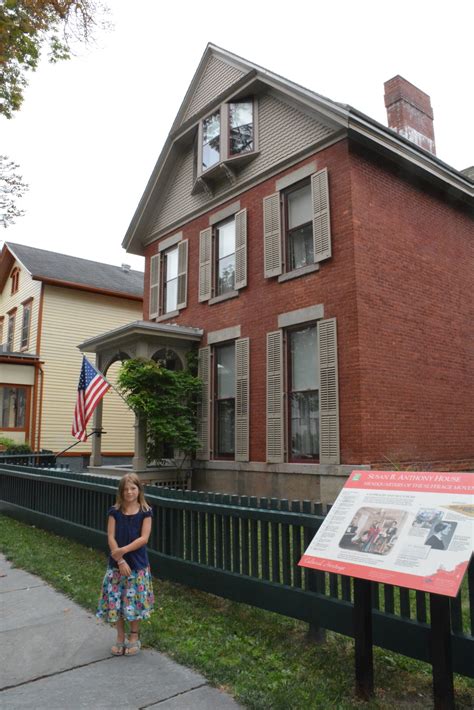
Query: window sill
x=310, y=269
x=223, y=297
x=165, y=316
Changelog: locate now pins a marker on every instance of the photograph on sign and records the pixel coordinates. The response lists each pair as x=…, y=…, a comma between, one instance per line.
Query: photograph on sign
x=411, y=529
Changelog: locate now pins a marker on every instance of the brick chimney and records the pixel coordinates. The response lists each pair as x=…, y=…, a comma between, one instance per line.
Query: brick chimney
x=409, y=112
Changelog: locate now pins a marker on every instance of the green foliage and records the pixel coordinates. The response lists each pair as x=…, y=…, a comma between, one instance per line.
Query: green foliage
x=5, y=441
x=11, y=188
x=167, y=400
x=18, y=449
x=27, y=26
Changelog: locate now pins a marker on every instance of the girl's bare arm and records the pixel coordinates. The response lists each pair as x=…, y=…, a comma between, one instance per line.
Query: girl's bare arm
x=111, y=534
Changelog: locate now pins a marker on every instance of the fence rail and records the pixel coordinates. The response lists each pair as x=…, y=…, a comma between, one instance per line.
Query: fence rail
x=241, y=548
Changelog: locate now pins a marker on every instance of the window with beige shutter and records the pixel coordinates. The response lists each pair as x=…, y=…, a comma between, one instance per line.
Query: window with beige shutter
x=223, y=257
x=297, y=227
x=203, y=412
x=169, y=279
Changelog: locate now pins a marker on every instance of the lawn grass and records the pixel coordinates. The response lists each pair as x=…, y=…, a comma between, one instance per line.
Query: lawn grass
x=265, y=660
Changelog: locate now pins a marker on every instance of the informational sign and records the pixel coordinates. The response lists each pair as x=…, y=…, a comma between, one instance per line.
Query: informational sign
x=410, y=529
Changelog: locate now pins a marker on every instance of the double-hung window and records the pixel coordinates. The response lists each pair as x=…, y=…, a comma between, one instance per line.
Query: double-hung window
x=13, y=407
x=169, y=277
x=11, y=330
x=223, y=258
x=25, y=326
x=296, y=225
x=302, y=390
x=224, y=410
x=303, y=394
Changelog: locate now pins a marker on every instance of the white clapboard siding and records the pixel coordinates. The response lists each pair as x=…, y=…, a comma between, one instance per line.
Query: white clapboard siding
x=182, y=274
x=205, y=264
x=241, y=249
x=242, y=403
x=275, y=418
x=204, y=408
x=272, y=235
x=155, y=285
x=321, y=216
x=70, y=317
x=27, y=288
x=328, y=392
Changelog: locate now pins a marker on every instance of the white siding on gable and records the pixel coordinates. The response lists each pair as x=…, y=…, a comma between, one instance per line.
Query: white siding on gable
x=283, y=131
x=27, y=289
x=216, y=78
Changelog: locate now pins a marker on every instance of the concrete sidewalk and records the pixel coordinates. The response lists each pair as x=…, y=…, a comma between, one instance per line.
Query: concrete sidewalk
x=54, y=655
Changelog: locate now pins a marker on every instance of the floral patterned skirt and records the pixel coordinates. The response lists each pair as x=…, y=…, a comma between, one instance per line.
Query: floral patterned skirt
x=128, y=597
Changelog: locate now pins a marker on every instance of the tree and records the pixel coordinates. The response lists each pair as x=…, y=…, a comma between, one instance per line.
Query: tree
x=27, y=26
x=11, y=187
x=167, y=400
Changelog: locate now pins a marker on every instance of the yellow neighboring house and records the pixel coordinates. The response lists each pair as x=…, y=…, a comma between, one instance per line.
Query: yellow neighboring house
x=49, y=303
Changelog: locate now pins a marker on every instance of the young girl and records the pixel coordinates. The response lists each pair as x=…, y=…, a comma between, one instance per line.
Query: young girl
x=127, y=593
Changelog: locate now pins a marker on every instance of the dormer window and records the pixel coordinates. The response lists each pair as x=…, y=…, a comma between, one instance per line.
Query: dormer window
x=227, y=142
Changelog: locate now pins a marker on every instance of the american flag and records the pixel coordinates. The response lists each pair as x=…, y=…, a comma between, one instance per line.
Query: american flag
x=90, y=390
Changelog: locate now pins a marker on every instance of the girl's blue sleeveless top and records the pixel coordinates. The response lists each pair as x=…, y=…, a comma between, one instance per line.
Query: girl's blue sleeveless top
x=127, y=529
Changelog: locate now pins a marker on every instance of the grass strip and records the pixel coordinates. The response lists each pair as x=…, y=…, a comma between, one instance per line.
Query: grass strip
x=265, y=660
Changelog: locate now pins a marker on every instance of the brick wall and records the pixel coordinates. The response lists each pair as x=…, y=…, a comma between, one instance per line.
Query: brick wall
x=398, y=284
x=415, y=278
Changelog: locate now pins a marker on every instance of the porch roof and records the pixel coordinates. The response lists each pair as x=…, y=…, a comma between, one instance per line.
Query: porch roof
x=141, y=330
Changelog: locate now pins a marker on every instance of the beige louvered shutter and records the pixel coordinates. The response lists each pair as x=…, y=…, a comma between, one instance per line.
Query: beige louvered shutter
x=242, y=376
x=155, y=286
x=241, y=249
x=182, y=274
x=328, y=392
x=275, y=419
x=204, y=409
x=321, y=217
x=272, y=235
x=205, y=264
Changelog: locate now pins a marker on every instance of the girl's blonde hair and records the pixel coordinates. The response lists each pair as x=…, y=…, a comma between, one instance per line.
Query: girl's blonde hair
x=134, y=479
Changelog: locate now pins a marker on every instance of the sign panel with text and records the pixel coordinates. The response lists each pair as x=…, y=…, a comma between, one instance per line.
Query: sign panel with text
x=410, y=529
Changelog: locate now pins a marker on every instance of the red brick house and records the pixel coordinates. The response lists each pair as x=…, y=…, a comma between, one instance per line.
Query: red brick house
x=328, y=261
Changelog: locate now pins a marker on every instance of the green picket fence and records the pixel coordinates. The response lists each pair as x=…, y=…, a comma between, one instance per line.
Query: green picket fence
x=241, y=548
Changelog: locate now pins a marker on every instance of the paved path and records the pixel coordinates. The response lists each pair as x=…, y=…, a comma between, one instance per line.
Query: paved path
x=55, y=655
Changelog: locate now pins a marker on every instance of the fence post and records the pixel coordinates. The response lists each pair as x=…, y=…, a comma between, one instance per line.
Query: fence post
x=364, y=665
x=315, y=583
x=441, y=656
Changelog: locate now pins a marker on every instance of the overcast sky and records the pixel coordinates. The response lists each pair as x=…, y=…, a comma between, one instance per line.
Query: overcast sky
x=91, y=129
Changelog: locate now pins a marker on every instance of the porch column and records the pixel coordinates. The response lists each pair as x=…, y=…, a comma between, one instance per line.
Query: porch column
x=96, y=454
x=139, y=459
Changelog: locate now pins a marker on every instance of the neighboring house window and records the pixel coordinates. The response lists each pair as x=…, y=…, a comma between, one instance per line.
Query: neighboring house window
x=11, y=330
x=169, y=280
x=227, y=135
x=15, y=277
x=303, y=394
x=225, y=401
x=296, y=227
x=25, y=326
x=13, y=407
x=223, y=257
